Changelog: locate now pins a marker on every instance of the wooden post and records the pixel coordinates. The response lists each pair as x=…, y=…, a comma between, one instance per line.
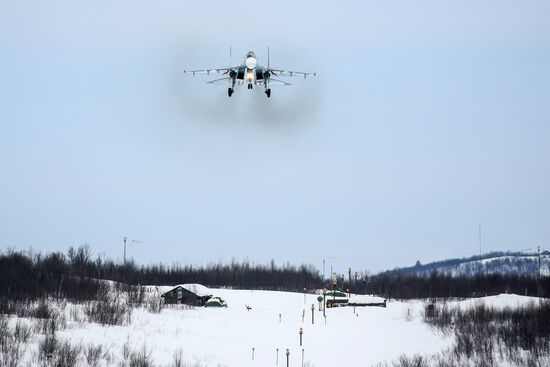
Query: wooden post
x=287, y=357
x=301, y=332
x=312, y=314
x=302, y=357
x=303, y=314
x=277, y=358
x=279, y=317
x=324, y=302
x=304, y=296
x=253, y=353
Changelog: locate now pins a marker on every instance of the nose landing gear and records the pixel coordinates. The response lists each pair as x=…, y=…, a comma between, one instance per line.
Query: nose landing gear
x=230, y=91
x=268, y=92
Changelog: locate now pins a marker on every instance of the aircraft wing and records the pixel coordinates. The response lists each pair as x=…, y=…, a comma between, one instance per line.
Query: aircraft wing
x=218, y=80
x=207, y=71
x=277, y=82
x=274, y=82
x=281, y=72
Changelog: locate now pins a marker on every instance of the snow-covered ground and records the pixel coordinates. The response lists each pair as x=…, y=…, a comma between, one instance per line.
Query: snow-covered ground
x=527, y=265
x=227, y=336
x=499, y=301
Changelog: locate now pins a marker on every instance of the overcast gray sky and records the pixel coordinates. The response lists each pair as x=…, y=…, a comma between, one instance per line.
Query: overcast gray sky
x=426, y=118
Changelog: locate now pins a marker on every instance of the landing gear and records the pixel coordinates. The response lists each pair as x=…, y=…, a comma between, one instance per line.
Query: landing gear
x=249, y=86
x=231, y=88
x=268, y=92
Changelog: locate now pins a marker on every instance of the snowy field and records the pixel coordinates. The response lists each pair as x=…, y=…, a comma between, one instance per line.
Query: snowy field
x=227, y=336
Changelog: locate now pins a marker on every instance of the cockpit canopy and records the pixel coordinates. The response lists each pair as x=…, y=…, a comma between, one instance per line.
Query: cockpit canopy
x=250, y=54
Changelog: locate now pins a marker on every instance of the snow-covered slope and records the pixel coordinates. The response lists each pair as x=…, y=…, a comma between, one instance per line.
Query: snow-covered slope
x=523, y=264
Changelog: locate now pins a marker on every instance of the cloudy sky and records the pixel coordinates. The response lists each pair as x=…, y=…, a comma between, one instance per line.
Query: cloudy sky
x=426, y=119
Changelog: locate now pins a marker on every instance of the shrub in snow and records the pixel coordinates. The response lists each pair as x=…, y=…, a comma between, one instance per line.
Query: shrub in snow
x=109, y=309
x=67, y=355
x=177, y=360
x=131, y=358
x=93, y=355
x=53, y=352
x=42, y=310
x=486, y=336
x=47, y=347
x=12, y=343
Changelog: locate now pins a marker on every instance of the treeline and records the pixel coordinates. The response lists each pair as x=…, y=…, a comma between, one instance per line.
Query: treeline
x=74, y=275
x=437, y=285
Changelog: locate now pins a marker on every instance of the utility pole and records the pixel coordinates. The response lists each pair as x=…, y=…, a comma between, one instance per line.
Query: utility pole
x=349, y=281
x=124, y=258
x=538, y=274
x=479, y=239
x=538, y=252
x=124, y=262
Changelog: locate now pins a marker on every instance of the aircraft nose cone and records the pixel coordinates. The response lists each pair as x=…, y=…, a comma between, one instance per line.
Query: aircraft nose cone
x=251, y=63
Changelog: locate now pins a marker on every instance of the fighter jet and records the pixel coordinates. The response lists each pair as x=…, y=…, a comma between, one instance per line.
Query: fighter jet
x=251, y=73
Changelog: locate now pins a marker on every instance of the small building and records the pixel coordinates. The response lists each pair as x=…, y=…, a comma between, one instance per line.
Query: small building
x=187, y=294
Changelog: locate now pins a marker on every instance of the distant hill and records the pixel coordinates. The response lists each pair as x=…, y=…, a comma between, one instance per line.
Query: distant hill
x=506, y=263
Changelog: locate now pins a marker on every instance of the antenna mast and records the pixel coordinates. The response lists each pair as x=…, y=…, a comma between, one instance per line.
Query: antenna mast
x=480, y=239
